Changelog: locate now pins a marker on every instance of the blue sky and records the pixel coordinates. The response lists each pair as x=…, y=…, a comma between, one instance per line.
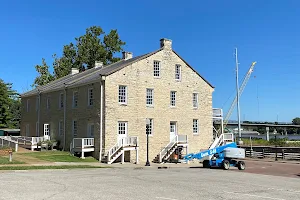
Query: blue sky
x=205, y=33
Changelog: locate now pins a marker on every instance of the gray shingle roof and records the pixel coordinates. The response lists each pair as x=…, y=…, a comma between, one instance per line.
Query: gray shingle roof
x=93, y=74
x=86, y=76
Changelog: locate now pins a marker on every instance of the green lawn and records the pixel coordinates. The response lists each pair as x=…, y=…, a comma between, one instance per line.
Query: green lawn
x=58, y=156
x=5, y=160
x=48, y=167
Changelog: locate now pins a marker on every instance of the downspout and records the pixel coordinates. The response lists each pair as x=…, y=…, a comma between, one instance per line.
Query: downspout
x=102, y=78
x=39, y=108
x=65, y=106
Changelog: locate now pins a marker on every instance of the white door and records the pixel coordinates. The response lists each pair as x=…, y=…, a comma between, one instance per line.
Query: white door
x=173, y=131
x=122, y=130
x=46, y=131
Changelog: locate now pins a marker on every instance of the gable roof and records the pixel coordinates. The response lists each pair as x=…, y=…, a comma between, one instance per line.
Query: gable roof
x=93, y=74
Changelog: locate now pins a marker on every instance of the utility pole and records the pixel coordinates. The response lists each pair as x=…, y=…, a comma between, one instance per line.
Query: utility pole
x=238, y=96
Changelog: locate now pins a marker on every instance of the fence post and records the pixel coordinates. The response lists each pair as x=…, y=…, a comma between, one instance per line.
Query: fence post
x=282, y=154
x=263, y=153
x=10, y=156
x=16, y=147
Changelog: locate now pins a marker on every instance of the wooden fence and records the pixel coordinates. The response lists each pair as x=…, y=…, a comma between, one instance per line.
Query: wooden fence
x=285, y=153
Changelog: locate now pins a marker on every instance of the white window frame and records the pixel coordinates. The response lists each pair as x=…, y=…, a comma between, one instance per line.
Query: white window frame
x=46, y=131
x=28, y=105
x=74, y=129
x=60, y=128
x=27, y=130
x=125, y=128
x=149, y=97
x=75, y=99
x=195, y=100
x=122, y=96
x=195, y=126
x=173, y=98
x=150, y=126
x=156, y=68
x=89, y=130
x=177, y=72
x=90, y=97
x=61, y=100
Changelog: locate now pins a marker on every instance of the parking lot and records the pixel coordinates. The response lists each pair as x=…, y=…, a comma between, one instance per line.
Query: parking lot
x=147, y=183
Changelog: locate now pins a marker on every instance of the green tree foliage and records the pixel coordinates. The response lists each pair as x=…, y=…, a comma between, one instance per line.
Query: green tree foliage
x=9, y=106
x=93, y=46
x=296, y=121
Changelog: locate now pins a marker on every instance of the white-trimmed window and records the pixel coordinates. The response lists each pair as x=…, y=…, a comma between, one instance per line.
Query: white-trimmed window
x=173, y=98
x=122, y=128
x=156, y=68
x=123, y=94
x=149, y=97
x=61, y=100
x=46, y=130
x=27, y=130
x=74, y=128
x=75, y=99
x=60, y=128
x=195, y=100
x=150, y=126
x=48, y=102
x=195, y=126
x=90, y=130
x=28, y=105
x=90, y=97
x=177, y=72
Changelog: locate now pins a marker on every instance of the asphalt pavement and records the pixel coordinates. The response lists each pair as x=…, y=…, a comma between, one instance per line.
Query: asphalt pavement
x=146, y=184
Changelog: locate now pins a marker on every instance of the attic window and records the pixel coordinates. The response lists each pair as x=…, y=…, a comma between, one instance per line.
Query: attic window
x=156, y=68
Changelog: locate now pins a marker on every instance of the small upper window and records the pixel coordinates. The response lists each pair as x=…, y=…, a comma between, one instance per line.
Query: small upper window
x=74, y=128
x=195, y=100
x=173, y=98
x=156, y=68
x=122, y=94
x=177, y=72
x=28, y=105
x=149, y=97
x=90, y=97
x=61, y=100
x=195, y=126
x=75, y=99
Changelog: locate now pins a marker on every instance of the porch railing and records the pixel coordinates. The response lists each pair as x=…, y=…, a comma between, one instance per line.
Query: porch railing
x=124, y=142
x=176, y=140
x=83, y=143
x=7, y=141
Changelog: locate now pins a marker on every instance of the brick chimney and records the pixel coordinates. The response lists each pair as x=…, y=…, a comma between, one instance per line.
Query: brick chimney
x=165, y=43
x=126, y=55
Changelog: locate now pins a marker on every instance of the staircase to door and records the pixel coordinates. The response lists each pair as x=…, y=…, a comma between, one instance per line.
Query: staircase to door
x=168, y=150
x=123, y=144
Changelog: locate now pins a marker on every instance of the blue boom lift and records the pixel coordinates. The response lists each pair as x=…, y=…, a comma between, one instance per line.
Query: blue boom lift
x=222, y=156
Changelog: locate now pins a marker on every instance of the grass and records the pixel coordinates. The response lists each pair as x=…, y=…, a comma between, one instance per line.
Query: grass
x=49, y=167
x=5, y=161
x=58, y=156
x=272, y=142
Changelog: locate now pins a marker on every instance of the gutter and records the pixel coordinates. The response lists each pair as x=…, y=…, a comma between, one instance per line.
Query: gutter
x=102, y=79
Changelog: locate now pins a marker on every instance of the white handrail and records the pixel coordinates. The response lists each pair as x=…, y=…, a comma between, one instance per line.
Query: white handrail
x=83, y=142
x=123, y=142
x=165, y=150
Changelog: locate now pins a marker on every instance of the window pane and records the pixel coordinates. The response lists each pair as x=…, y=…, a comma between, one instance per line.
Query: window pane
x=122, y=94
x=156, y=68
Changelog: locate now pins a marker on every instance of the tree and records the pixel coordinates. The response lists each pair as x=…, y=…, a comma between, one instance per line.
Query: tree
x=9, y=106
x=93, y=46
x=296, y=121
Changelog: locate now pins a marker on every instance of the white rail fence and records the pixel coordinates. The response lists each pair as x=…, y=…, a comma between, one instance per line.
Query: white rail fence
x=82, y=143
x=5, y=141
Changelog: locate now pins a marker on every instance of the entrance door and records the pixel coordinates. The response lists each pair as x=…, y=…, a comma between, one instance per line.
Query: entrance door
x=46, y=131
x=173, y=130
x=122, y=130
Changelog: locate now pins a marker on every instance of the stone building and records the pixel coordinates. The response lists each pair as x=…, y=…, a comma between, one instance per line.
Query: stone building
x=105, y=109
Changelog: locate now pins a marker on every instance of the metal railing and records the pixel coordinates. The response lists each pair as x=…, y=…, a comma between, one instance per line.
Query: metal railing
x=217, y=112
x=177, y=139
x=124, y=142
